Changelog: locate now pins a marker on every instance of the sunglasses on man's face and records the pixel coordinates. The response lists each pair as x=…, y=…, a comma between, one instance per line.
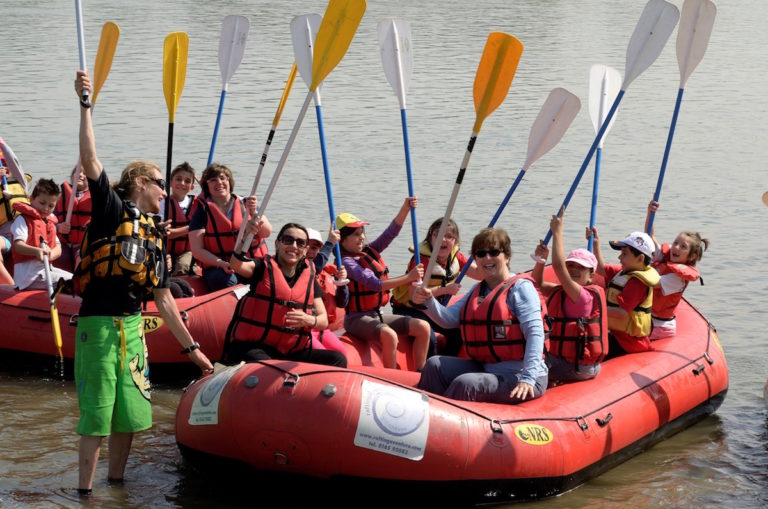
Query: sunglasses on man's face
x=482, y=253
x=288, y=240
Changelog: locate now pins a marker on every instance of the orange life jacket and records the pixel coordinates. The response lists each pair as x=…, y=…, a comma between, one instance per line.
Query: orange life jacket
x=221, y=232
x=582, y=341
x=361, y=298
x=178, y=218
x=37, y=227
x=490, y=330
x=326, y=281
x=260, y=315
x=81, y=214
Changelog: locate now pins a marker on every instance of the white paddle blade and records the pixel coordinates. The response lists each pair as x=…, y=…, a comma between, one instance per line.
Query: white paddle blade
x=604, y=86
x=396, y=56
x=13, y=164
x=559, y=110
x=303, y=32
x=234, y=33
x=650, y=36
x=696, y=22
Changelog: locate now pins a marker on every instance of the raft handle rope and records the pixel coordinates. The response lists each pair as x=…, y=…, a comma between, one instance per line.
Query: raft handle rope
x=603, y=422
x=496, y=426
x=73, y=320
x=291, y=380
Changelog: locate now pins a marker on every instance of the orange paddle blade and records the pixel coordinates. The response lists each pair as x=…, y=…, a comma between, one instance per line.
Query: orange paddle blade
x=495, y=73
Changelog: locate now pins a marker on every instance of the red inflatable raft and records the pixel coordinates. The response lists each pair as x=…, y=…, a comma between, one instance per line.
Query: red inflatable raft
x=27, y=322
x=370, y=423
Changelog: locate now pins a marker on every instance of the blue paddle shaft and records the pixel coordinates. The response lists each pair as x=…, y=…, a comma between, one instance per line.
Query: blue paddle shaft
x=657, y=194
x=216, y=128
x=590, y=153
x=595, y=185
x=326, y=171
x=411, y=192
x=493, y=220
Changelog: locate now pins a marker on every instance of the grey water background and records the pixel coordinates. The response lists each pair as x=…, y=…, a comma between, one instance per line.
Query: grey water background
x=714, y=182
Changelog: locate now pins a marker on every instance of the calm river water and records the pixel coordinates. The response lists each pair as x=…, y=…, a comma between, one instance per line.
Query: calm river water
x=715, y=179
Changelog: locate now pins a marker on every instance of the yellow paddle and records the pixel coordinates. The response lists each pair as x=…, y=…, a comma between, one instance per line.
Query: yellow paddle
x=316, y=56
x=175, y=52
x=492, y=81
x=110, y=32
x=54, y=311
x=270, y=136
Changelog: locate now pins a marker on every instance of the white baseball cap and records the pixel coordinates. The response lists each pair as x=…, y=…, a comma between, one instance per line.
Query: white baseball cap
x=638, y=240
x=314, y=235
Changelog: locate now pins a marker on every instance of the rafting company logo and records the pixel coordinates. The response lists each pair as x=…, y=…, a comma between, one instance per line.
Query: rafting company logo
x=152, y=323
x=533, y=434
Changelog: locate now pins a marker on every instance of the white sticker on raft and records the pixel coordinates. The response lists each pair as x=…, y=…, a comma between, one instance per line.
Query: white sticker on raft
x=393, y=421
x=205, y=407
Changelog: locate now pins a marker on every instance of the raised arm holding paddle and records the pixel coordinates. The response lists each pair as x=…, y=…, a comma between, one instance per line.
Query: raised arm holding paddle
x=656, y=24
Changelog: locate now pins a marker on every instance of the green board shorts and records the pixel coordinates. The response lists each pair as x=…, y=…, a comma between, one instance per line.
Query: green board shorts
x=112, y=376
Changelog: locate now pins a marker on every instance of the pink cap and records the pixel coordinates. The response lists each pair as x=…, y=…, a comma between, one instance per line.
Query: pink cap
x=583, y=257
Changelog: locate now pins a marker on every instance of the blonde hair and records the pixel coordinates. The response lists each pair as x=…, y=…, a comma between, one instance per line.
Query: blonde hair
x=129, y=179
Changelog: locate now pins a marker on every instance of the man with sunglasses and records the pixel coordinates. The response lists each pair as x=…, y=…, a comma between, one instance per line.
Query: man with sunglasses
x=123, y=261
x=501, y=321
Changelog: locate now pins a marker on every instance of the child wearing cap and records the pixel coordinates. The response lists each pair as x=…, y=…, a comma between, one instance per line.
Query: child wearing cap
x=578, y=339
x=629, y=292
x=334, y=297
x=370, y=285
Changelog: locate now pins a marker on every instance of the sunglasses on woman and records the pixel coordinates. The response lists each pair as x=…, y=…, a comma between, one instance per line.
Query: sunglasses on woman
x=288, y=240
x=159, y=182
x=482, y=253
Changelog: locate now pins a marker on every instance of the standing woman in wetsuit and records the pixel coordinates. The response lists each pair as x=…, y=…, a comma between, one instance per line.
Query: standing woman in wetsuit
x=117, y=271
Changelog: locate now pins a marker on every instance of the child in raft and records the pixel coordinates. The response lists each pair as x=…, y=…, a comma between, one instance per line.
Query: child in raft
x=12, y=192
x=450, y=261
x=180, y=211
x=578, y=339
x=370, y=285
x=71, y=232
x=629, y=292
x=676, y=264
x=35, y=224
x=334, y=297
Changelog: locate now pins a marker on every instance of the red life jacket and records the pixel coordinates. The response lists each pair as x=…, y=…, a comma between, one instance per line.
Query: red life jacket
x=37, y=227
x=178, y=218
x=81, y=214
x=664, y=305
x=326, y=281
x=361, y=298
x=490, y=330
x=581, y=341
x=221, y=232
x=260, y=315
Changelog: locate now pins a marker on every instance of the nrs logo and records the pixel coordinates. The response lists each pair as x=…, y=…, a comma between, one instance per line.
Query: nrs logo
x=533, y=434
x=152, y=323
